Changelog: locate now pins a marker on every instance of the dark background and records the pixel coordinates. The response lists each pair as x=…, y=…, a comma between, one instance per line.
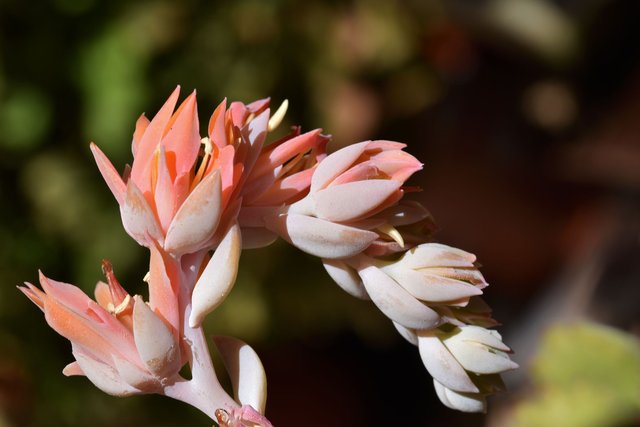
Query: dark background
x=526, y=114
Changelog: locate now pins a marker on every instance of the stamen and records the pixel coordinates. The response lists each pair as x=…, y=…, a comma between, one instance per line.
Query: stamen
x=208, y=150
x=147, y=277
x=277, y=117
x=290, y=164
x=392, y=232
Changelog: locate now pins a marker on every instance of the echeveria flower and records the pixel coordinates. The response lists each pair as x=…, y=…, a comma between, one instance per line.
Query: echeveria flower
x=196, y=202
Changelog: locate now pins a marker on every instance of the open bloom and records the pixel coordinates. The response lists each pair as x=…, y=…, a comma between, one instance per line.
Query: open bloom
x=119, y=343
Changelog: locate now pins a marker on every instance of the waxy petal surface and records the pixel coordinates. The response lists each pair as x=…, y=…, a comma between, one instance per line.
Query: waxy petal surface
x=245, y=370
x=198, y=217
x=322, y=238
x=218, y=277
x=156, y=344
x=138, y=218
x=353, y=200
x=395, y=302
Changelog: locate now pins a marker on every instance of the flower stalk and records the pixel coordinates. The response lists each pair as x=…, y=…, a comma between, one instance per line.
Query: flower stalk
x=195, y=202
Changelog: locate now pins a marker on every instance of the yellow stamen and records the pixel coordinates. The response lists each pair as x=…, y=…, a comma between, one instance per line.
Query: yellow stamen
x=147, y=277
x=291, y=164
x=277, y=117
x=392, y=232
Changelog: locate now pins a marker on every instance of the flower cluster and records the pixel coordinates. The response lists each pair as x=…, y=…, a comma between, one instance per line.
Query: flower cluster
x=195, y=203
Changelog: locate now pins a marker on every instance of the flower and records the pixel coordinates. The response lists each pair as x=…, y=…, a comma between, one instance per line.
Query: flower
x=464, y=362
x=119, y=342
x=348, y=187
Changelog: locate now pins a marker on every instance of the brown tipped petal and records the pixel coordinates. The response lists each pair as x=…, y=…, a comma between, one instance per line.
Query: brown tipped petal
x=346, y=277
x=321, y=238
x=354, y=199
x=138, y=218
x=437, y=255
x=135, y=376
x=442, y=365
x=245, y=370
x=218, y=277
x=432, y=288
x=155, y=341
x=197, y=218
x=395, y=302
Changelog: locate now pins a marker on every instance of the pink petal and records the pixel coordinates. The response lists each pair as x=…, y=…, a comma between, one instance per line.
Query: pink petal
x=321, y=238
x=257, y=237
x=278, y=155
x=150, y=140
x=354, y=199
x=103, y=376
x=164, y=196
x=245, y=370
x=217, y=132
x=197, y=219
x=218, y=277
x=109, y=174
x=336, y=163
x=156, y=345
x=138, y=219
x=164, y=278
x=395, y=302
x=182, y=141
x=141, y=126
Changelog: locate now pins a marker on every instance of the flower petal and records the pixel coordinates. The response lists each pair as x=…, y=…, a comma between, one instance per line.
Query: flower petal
x=198, y=217
x=437, y=255
x=429, y=287
x=395, y=302
x=155, y=342
x=346, y=277
x=441, y=364
x=109, y=174
x=406, y=333
x=353, y=200
x=245, y=370
x=103, y=376
x=336, y=163
x=138, y=219
x=218, y=277
x=321, y=238
x=464, y=402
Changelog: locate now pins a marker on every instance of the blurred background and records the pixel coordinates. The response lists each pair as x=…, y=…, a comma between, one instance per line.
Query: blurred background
x=526, y=114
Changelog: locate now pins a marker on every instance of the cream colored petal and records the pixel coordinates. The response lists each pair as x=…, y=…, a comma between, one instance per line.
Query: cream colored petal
x=441, y=364
x=353, y=200
x=197, y=219
x=135, y=376
x=218, y=277
x=395, y=302
x=464, y=402
x=346, y=277
x=156, y=344
x=321, y=238
x=245, y=370
x=138, y=218
x=104, y=376
x=431, y=288
x=437, y=255
x=406, y=333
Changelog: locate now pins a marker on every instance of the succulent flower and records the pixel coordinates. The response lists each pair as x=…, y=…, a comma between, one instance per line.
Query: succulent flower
x=195, y=203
